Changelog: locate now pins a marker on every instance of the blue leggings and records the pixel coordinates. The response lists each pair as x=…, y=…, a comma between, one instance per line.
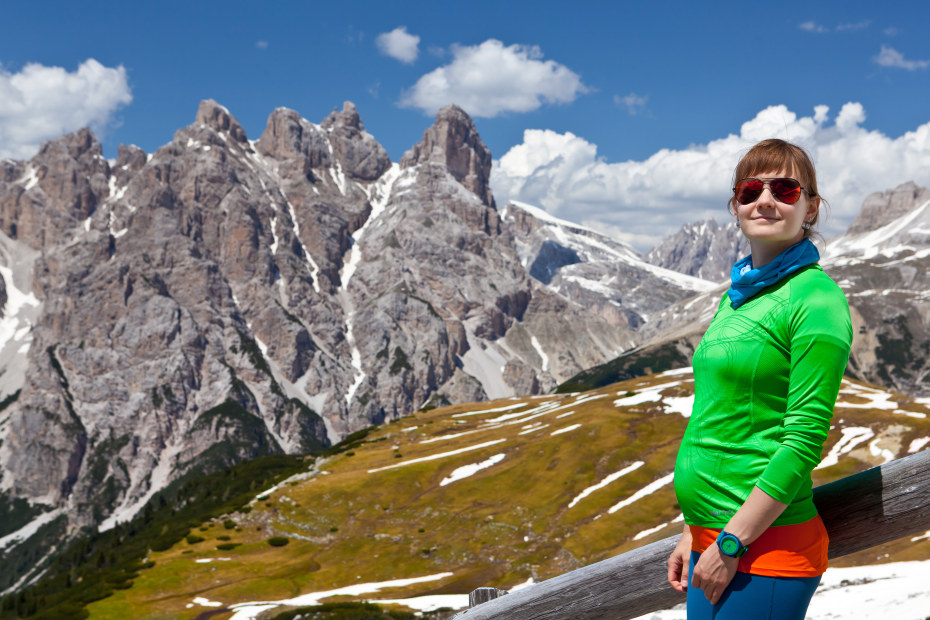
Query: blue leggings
x=753, y=596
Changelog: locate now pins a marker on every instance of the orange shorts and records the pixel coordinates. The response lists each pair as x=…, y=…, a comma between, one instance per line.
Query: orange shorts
x=782, y=551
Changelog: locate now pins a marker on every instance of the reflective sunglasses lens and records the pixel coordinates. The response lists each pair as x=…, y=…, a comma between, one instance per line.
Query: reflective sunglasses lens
x=748, y=190
x=786, y=190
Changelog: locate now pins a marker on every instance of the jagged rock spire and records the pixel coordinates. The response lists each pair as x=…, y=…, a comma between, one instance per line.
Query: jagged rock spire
x=453, y=141
x=218, y=118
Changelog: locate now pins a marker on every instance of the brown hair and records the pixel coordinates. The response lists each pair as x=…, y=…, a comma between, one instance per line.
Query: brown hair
x=775, y=154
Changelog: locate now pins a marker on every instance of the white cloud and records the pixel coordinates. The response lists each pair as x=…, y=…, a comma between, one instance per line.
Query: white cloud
x=641, y=202
x=39, y=103
x=399, y=44
x=811, y=27
x=890, y=57
x=488, y=79
x=262, y=45
x=853, y=26
x=633, y=103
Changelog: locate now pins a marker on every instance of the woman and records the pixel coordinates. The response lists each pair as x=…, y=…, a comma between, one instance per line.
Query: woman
x=766, y=374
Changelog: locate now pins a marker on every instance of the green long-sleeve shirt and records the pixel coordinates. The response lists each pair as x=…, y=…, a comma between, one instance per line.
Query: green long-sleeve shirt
x=766, y=379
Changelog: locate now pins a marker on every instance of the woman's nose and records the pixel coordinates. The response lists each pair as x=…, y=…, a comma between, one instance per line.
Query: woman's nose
x=766, y=197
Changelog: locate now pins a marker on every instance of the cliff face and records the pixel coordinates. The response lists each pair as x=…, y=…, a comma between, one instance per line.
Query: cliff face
x=223, y=298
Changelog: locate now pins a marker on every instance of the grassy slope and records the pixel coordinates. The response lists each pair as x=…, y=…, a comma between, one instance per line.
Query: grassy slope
x=500, y=526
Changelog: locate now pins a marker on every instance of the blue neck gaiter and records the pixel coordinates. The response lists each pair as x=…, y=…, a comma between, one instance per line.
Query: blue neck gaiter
x=746, y=281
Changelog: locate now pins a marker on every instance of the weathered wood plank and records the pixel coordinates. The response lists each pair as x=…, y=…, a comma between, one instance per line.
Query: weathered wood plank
x=876, y=506
x=861, y=511
x=624, y=586
x=483, y=595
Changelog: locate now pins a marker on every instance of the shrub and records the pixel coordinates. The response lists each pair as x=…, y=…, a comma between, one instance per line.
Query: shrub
x=227, y=546
x=278, y=541
x=229, y=524
x=223, y=538
x=193, y=539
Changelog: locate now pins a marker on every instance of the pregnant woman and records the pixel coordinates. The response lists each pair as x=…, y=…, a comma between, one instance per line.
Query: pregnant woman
x=767, y=373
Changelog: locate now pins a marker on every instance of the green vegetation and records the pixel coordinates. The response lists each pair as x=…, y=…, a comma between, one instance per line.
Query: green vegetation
x=278, y=541
x=400, y=362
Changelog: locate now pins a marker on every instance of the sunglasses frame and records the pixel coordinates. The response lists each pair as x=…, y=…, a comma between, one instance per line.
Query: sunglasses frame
x=767, y=182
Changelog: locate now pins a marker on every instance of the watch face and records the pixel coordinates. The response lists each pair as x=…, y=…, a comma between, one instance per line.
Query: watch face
x=729, y=546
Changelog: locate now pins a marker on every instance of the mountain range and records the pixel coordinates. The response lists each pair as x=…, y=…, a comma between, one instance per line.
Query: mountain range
x=173, y=313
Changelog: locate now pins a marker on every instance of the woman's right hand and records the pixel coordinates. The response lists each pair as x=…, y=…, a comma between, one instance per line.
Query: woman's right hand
x=679, y=562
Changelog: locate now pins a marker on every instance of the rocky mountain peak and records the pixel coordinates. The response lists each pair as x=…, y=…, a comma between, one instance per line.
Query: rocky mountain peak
x=701, y=249
x=348, y=118
x=358, y=153
x=62, y=185
x=453, y=142
x=881, y=208
x=290, y=138
x=73, y=145
x=218, y=118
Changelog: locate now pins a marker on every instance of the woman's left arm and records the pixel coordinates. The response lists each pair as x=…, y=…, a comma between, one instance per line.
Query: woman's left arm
x=714, y=571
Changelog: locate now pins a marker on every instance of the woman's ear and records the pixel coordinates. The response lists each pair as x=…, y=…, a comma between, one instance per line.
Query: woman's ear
x=813, y=206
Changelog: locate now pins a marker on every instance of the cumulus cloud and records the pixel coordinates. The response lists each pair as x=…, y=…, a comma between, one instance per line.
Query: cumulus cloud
x=399, y=44
x=890, y=57
x=642, y=202
x=39, y=103
x=490, y=79
x=262, y=45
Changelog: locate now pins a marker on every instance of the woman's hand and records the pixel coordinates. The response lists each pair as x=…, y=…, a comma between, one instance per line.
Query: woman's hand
x=713, y=573
x=679, y=561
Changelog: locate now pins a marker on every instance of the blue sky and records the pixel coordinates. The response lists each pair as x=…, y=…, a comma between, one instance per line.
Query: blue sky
x=637, y=111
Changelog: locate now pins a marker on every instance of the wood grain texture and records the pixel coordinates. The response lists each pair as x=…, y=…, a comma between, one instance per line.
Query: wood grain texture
x=870, y=508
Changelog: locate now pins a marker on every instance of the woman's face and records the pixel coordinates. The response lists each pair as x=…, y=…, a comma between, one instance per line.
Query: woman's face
x=772, y=223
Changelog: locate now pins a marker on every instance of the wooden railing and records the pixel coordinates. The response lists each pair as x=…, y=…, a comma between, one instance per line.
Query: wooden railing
x=870, y=508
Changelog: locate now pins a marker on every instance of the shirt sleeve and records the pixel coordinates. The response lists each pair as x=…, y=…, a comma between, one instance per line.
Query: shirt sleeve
x=820, y=333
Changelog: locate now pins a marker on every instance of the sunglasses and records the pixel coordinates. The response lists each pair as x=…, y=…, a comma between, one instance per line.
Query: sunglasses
x=786, y=190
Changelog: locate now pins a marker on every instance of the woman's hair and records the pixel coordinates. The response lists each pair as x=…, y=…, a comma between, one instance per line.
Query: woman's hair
x=772, y=155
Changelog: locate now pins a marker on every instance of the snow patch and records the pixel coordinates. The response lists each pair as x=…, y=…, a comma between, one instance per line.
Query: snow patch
x=679, y=404
x=30, y=528
x=918, y=444
x=565, y=430
x=485, y=363
x=248, y=611
x=441, y=455
x=541, y=353
x=603, y=483
x=851, y=437
x=649, y=489
x=483, y=411
x=467, y=470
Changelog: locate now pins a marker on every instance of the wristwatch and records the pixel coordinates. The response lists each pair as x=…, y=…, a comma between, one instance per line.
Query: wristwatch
x=730, y=545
